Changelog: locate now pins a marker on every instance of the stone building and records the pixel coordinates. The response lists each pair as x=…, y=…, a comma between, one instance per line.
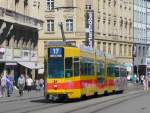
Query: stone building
x=19, y=26
x=141, y=36
x=103, y=24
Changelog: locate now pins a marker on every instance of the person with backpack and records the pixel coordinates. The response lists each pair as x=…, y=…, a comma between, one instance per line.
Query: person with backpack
x=21, y=84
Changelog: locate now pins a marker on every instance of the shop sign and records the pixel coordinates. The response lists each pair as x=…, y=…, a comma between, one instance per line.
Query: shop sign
x=34, y=55
x=89, y=28
x=8, y=54
x=25, y=55
x=17, y=53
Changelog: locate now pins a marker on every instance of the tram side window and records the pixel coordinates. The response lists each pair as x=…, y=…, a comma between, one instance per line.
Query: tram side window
x=90, y=69
x=68, y=67
x=116, y=72
x=100, y=69
x=100, y=72
x=87, y=68
x=123, y=73
x=110, y=70
x=76, y=66
x=82, y=68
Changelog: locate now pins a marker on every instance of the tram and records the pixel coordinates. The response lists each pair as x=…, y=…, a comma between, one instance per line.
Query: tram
x=73, y=73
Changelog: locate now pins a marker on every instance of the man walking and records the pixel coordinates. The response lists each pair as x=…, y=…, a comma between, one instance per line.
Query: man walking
x=21, y=84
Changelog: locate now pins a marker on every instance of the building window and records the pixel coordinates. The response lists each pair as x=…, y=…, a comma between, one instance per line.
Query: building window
x=114, y=3
x=50, y=25
x=125, y=50
x=130, y=50
x=50, y=4
x=109, y=48
x=114, y=49
x=144, y=51
x=98, y=27
x=104, y=46
x=69, y=25
x=120, y=50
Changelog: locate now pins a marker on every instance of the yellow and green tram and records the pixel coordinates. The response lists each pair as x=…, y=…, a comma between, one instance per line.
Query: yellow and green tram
x=72, y=72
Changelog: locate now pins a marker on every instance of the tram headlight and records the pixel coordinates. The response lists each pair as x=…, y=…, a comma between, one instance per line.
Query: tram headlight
x=55, y=86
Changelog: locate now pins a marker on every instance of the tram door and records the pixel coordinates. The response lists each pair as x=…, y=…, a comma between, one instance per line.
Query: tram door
x=100, y=71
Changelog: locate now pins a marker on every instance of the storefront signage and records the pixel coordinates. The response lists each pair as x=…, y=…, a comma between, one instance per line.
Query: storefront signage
x=25, y=55
x=17, y=53
x=8, y=54
x=34, y=55
x=89, y=28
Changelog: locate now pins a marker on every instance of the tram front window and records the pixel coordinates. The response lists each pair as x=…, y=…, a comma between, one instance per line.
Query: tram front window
x=56, y=68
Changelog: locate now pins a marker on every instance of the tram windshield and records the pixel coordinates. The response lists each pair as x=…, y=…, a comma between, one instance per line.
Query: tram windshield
x=56, y=68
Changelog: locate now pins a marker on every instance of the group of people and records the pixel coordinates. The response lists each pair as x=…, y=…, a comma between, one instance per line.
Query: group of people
x=6, y=84
x=24, y=81
x=143, y=80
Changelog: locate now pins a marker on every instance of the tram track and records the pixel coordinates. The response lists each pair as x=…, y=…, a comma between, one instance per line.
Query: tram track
x=31, y=107
x=55, y=106
x=107, y=103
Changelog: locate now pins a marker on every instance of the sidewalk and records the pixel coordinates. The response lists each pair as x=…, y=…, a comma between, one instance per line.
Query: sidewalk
x=27, y=95
x=134, y=86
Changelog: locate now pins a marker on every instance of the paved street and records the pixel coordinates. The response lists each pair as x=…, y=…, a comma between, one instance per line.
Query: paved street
x=34, y=102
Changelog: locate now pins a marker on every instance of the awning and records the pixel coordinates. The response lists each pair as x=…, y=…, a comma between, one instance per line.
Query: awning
x=32, y=65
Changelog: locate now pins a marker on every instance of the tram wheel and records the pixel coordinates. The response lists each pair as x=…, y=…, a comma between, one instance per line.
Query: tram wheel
x=95, y=94
x=106, y=93
x=83, y=97
x=47, y=97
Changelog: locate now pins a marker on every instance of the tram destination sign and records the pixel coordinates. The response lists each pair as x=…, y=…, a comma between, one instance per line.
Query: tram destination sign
x=55, y=52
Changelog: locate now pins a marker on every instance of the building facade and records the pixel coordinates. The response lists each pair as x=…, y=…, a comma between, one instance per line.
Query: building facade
x=141, y=35
x=106, y=25
x=19, y=26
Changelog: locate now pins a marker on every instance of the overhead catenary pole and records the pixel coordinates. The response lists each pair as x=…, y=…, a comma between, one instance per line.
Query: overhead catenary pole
x=146, y=40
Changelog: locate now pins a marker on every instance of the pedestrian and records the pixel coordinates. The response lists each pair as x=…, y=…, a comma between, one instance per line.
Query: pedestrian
x=21, y=84
x=41, y=84
x=9, y=85
x=145, y=82
x=3, y=84
x=0, y=86
x=37, y=85
x=29, y=83
x=142, y=79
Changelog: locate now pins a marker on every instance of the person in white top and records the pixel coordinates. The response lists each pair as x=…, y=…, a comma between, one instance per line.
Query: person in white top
x=21, y=84
x=29, y=83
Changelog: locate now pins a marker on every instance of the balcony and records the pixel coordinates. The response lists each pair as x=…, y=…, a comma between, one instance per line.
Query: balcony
x=15, y=17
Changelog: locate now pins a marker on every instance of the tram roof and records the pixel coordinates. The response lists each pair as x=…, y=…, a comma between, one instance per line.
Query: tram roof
x=86, y=49
x=58, y=43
